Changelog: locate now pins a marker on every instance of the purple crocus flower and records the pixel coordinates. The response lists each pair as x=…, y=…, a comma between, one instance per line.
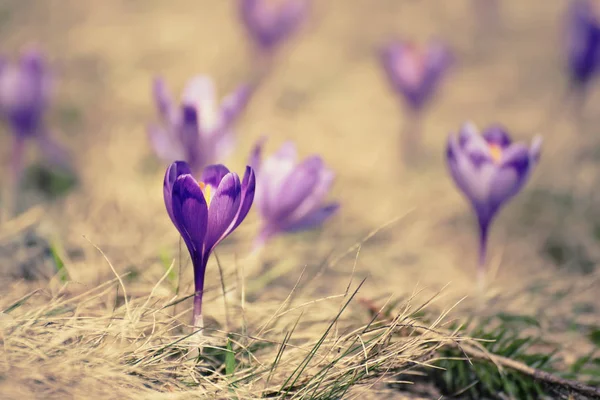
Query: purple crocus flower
x=199, y=130
x=489, y=169
x=24, y=100
x=205, y=212
x=415, y=73
x=583, y=41
x=290, y=195
x=270, y=22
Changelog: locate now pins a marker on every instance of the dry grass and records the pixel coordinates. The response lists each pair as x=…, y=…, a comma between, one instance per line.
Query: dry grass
x=100, y=344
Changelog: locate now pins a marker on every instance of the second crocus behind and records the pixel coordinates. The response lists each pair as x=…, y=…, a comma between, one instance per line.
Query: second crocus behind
x=415, y=74
x=290, y=195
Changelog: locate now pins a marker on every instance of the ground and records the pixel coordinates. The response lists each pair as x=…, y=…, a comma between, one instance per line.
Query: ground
x=327, y=93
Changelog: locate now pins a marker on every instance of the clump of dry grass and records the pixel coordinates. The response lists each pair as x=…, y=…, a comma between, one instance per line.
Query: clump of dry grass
x=102, y=344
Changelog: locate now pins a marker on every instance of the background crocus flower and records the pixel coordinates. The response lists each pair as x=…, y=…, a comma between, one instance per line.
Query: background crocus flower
x=489, y=169
x=583, y=56
x=199, y=130
x=270, y=22
x=205, y=212
x=583, y=41
x=291, y=194
x=415, y=72
x=24, y=98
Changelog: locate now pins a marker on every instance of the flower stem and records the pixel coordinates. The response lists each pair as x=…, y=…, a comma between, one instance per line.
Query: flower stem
x=199, y=263
x=481, y=265
x=196, y=339
x=198, y=320
x=411, y=135
x=263, y=61
x=11, y=191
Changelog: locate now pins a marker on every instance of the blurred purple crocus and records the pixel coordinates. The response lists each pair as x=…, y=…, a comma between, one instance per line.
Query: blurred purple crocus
x=199, y=130
x=24, y=100
x=415, y=73
x=271, y=22
x=489, y=169
x=291, y=194
x=205, y=212
x=583, y=41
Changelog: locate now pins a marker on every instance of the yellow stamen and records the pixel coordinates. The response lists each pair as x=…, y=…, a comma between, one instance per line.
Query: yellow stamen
x=206, y=191
x=495, y=152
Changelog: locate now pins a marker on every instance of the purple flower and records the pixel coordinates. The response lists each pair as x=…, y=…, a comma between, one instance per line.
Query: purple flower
x=199, y=130
x=415, y=73
x=24, y=100
x=290, y=195
x=489, y=169
x=24, y=93
x=205, y=212
x=583, y=41
x=270, y=22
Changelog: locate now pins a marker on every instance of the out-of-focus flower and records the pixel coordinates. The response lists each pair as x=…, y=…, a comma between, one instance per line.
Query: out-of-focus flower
x=24, y=93
x=205, y=212
x=583, y=41
x=199, y=130
x=415, y=73
x=24, y=99
x=291, y=194
x=489, y=169
x=270, y=22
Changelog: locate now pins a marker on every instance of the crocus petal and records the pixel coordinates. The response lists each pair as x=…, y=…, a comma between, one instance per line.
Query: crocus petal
x=314, y=219
x=254, y=160
x=470, y=139
x=299, y=184
x=234, y=103
x=200, y=93
x=163, y=144
x=214, y=174
x=512, y=174
x=314, y=199
x=276, y=170
x=223, y=209
x=248, y=189
x=497, y=135
x=190, y=212
x=506, y=183
x=535, y=149
x=162, y=98
x=175, y=170
x=438, y=58
x=473, y=178
x=196, y=154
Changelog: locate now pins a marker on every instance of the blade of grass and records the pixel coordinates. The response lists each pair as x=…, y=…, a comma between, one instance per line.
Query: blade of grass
x=298, y=371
